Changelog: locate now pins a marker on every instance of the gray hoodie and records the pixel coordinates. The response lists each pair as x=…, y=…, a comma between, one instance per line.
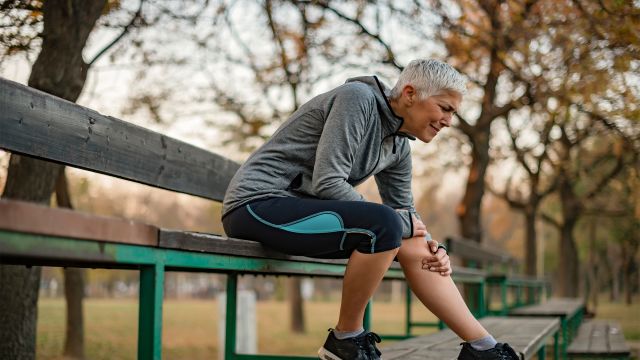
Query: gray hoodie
x=329, y=145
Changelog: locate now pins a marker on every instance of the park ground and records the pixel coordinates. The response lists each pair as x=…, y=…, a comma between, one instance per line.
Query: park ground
x=190, y=327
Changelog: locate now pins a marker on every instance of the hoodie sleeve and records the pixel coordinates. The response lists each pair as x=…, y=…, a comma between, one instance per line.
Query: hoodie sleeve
x=394, y=184
x=343, y=131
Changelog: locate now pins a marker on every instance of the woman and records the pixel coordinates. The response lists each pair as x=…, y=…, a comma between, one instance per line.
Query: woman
x=296, y=194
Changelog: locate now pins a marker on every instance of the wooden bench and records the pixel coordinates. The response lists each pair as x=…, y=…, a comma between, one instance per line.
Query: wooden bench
x=528, y=336
x=33, y=123
x=599, y=339
x=570, y=311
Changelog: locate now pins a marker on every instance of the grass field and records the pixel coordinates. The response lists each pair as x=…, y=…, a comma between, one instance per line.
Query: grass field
x=190, y=327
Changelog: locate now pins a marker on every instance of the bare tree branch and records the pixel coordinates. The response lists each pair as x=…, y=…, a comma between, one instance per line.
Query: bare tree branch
x=391, y=59
x=125, y=30
x=551, y=221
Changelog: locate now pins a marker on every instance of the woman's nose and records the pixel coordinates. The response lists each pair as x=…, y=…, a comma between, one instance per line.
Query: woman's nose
x=446, y=120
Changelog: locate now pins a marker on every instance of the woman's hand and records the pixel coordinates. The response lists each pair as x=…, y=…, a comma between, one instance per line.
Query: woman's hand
x=439, y=261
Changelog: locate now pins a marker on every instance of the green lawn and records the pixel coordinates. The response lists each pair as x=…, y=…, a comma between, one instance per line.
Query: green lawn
x=190, y=329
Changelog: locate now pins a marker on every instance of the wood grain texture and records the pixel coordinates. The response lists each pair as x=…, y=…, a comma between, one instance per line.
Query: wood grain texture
x=525, y=335
x=563, y=307
x=218, y=244
x=600, y=337
x=44, y=126
x=31, y=218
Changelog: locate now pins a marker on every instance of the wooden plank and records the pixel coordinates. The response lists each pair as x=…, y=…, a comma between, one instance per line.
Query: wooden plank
x=218, y=244
x=41, y=125
x=599, y=337
x=617, y=343
x=525, y=335
x=563, y=307
x=582, y=341
x=37, y=219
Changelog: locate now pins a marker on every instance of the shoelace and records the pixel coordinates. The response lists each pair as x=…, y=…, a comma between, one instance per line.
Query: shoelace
x=373, y=338
x=506, y=352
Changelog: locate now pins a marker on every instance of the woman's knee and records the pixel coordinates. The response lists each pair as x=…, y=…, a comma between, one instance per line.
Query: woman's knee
x=390, y=220
x=388, y=227
x=413, y=250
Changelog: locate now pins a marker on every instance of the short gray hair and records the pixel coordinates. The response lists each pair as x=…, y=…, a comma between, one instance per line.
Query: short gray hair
x=429, y=77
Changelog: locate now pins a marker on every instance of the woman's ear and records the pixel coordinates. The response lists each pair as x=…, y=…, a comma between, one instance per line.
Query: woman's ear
x=410, y=94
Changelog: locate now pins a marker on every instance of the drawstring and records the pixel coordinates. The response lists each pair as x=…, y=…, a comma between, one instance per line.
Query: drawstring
x=394, y=144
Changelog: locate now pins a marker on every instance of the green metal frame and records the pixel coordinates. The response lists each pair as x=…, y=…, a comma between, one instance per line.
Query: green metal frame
x=505, y=284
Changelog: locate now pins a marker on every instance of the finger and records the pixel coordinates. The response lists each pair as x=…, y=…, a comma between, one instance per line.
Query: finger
x=439, y=257
x=437, y=267
x=433, y=245
x=441, y=268
x=421, y=233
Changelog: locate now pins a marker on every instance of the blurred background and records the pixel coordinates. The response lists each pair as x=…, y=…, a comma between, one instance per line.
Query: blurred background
x=542, y=161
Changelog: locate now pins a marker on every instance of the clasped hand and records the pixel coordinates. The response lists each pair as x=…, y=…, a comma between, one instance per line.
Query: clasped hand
x=439, y=260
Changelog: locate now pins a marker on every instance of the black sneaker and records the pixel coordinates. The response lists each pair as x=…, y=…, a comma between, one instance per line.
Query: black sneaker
x=502, y=351
x=361, y=347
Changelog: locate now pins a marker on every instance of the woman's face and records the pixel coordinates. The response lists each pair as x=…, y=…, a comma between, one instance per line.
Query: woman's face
x=425, y=118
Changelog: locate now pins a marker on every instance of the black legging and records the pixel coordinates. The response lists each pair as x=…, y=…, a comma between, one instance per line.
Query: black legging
x=315, y=227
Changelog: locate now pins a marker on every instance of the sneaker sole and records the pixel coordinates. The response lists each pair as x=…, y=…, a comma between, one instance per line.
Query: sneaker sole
x=325, y=354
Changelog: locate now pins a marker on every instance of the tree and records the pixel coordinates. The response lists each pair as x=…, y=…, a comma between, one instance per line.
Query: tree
x=74, y=280
x=67, y=25
x=528, y=198
x=583, y=146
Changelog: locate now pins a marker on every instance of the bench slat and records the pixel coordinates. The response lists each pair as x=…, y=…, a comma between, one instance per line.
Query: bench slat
x=212, y=243
x=39, y=124
x=38, y=219
x=599, y=337
x=564, y=307
x=525, y=335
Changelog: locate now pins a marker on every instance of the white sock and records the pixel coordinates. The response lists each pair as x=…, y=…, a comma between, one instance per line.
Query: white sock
x=485, y=343
x=341, y=335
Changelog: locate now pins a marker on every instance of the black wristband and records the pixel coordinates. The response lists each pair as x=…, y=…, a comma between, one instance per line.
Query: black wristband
x=441, y=246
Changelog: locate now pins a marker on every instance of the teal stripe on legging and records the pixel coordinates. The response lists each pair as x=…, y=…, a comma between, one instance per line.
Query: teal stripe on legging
x=319, y=223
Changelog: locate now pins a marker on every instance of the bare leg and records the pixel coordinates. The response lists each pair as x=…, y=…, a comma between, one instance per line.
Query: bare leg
x=438, y=293
x=361, y=278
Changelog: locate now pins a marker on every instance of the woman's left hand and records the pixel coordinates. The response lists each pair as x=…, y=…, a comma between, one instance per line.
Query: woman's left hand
x=439, y=261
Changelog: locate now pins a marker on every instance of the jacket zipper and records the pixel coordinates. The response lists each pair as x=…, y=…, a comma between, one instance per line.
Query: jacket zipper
x=379, y=155
x=385, y=137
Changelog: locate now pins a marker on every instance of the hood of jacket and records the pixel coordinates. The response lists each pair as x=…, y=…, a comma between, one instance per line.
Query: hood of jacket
x=391, y=122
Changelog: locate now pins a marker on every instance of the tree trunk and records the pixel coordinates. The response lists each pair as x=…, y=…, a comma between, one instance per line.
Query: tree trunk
x=61, y=71
x=592, y=268
x=569, y=264
x=469, y=209
x=73, y=287
x=613, y=258
x=74, y=294
x=531, y=251
x=297, y=305
x=630, y=269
